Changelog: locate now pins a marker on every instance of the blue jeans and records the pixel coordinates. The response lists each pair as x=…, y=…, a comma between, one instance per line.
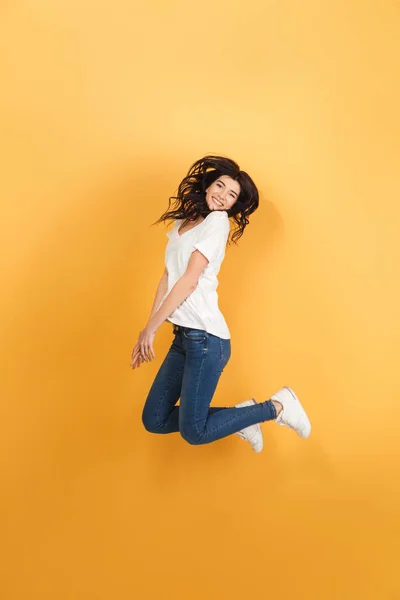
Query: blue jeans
x=191, y=371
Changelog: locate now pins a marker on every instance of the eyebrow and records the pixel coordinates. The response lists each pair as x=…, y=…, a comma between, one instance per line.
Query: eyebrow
x=233, y=191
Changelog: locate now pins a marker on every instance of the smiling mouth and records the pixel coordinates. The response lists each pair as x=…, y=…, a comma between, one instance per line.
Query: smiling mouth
x=216, y=201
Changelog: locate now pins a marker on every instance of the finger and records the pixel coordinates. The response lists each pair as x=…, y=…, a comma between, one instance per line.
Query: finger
x=134, y=359
x=137, y=362
x=135, y=351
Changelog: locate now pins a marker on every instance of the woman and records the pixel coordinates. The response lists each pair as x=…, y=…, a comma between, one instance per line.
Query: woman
x=213, y=191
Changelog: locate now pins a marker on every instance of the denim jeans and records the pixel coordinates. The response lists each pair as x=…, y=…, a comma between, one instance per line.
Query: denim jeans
x=191, y=371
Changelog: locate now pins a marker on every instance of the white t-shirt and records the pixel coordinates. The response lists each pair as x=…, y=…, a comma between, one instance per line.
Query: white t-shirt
x=200, y=310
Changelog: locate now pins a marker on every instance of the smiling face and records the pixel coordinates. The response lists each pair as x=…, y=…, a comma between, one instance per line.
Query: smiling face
x=222, y=193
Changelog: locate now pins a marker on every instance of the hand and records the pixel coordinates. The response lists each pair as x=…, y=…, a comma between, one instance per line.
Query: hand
x=144, y=350
x=136, y=358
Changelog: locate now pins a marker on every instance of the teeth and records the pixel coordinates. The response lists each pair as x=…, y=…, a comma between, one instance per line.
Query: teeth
x=219, y=203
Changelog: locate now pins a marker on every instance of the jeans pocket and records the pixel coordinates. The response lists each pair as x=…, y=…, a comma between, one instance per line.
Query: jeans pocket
x=195, y=335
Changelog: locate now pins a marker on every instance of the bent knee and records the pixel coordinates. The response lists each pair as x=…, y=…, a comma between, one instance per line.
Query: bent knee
x=191, y=435
x=149, y=423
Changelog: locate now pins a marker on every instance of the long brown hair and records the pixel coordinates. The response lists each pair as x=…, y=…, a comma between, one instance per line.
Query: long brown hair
x=190, y=201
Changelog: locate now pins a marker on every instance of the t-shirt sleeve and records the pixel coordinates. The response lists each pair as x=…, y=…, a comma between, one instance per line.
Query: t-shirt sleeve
x=214, y=235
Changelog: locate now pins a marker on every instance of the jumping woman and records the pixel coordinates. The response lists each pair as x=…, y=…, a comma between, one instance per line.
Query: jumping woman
x=214, y=191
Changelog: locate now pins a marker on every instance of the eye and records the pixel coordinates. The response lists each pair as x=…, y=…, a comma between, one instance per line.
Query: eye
x=219, y=184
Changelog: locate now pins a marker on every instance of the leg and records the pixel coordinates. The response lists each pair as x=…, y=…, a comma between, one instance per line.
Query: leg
x=206, y=357
x=160, y=413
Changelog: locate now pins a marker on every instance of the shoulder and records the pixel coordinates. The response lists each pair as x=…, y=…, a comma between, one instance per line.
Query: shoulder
x=216, y=226
x=175, y=226
x=221, y=215
x=218, y=219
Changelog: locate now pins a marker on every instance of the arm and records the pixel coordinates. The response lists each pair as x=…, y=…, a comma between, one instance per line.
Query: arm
x=181, y=290
x=160, y=293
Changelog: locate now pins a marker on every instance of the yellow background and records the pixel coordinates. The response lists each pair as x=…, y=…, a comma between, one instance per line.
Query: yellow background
x=104, y=106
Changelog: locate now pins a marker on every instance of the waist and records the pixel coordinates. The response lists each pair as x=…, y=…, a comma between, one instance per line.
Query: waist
x=177, y=328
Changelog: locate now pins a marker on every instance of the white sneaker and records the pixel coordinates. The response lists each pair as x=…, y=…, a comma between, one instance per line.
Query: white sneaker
x=253, y=433
x=293, y=414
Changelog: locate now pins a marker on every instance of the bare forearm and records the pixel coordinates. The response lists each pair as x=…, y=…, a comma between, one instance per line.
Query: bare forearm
x=160, y=293
x=181, y=290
